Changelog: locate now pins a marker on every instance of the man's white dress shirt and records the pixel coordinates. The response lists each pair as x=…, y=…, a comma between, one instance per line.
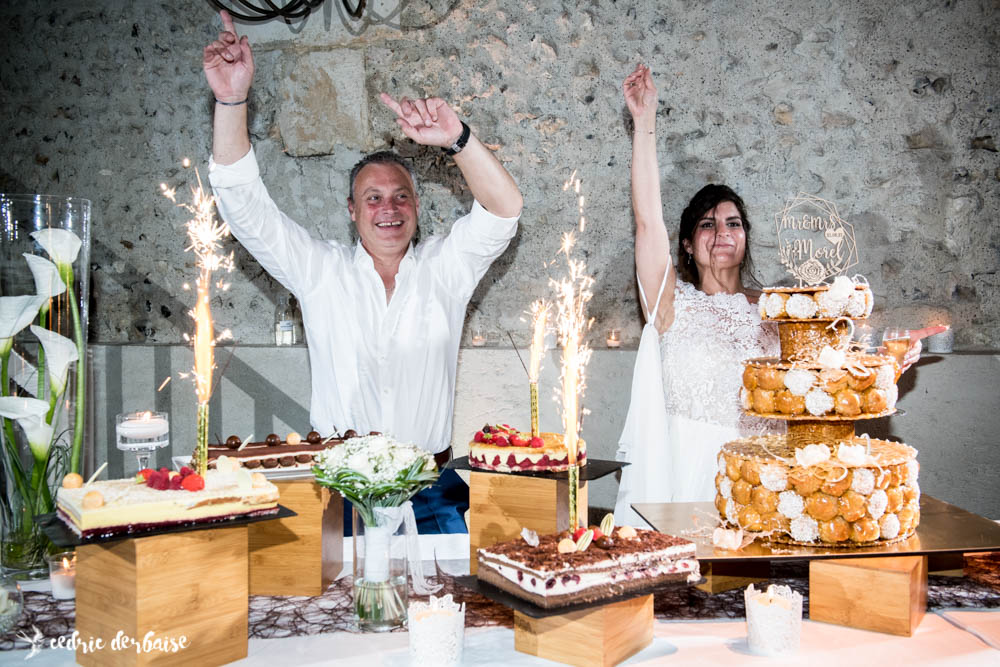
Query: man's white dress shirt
x=375, y=366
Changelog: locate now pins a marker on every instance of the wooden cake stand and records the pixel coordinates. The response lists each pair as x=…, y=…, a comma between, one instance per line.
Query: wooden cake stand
x=881, y=588
x=164, y=588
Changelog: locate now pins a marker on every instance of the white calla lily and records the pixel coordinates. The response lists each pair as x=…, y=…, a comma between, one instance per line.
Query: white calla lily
x=16, y=312
x=62, y=245
x=47, y=280
x=30, y=413
x=60, y=352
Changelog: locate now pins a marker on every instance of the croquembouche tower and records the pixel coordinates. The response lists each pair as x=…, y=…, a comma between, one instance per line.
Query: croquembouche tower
x=820, y=483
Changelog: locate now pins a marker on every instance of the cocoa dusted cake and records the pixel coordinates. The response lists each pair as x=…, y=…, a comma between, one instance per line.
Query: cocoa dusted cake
x=557, y=572
x=293, y=452
x=161, y=498
x=502, y=448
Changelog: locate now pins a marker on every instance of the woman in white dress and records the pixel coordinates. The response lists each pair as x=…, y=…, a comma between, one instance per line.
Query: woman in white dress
x=701, y=324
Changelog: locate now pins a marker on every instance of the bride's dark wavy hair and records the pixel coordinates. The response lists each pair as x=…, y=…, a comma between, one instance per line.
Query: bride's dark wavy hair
x=704, y=201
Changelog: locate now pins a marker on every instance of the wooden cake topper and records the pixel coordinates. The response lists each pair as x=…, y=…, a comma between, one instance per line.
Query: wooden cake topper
x=814, y=242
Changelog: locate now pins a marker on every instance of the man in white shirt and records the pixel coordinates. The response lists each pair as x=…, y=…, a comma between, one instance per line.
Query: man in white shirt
x=383, y=318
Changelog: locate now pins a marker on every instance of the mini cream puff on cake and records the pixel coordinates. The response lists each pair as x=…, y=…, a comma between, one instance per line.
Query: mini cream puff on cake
x=501, y=448
x=161, y=498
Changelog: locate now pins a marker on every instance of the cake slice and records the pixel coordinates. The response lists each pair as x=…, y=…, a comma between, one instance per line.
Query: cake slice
x=630, y=560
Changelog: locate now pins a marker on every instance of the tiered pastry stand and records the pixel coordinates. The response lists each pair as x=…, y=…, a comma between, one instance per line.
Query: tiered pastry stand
x=501, y=504
x=182, y=588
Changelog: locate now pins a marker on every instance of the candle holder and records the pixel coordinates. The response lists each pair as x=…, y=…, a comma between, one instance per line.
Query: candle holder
x=62, y=575
x=774, y=619
x=614, y=338
x=142, y=433
x=11, y=603
x=941, y=343
x=437, y=632
x=478, y=337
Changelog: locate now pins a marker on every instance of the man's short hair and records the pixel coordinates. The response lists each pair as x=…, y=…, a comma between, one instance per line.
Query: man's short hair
x=381, y=157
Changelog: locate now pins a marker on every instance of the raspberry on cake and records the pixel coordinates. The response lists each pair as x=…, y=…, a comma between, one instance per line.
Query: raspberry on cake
x=501, y=448
x=552, y=574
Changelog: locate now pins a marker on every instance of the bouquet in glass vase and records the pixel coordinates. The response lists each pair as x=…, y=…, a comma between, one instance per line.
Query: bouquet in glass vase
x=379, y=476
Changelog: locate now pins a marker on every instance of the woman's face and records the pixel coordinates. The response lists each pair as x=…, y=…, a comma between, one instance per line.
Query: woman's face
x=719, y=239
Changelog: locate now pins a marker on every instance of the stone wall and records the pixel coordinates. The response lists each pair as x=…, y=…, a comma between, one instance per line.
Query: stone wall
x=887, y=109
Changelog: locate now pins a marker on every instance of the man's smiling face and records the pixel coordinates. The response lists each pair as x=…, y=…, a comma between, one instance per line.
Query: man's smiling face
x=384, y=208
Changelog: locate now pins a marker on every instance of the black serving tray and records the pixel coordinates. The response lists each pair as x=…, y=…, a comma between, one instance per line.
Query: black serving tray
x=62, y=535
x=472, y=583
x=591, y=470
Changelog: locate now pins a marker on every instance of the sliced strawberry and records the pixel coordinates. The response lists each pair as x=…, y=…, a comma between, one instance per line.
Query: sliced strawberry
x=578, y=532
x=518, y=441
x=478, y=437
x=537, y=442
x=193, y=482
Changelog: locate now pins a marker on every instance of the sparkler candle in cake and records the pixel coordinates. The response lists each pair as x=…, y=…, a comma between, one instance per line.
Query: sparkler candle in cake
x=161, y=498
x=553, y=571
x=501, y=448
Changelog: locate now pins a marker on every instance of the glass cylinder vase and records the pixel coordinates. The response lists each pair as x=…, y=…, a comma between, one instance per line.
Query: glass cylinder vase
x=380, y=569
x=44, y=287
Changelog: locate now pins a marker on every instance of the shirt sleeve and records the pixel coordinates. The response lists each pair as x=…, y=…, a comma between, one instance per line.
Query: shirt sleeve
x=475, y=240
x=278, y=243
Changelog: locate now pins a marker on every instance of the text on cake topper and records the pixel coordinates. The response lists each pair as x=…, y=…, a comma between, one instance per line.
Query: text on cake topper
x=814, y=242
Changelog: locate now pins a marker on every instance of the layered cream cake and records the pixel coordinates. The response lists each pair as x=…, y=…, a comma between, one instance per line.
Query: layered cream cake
x=629, y=560
x=293, y=452
x=113, y=507
x=859, y=492
x=501, y=448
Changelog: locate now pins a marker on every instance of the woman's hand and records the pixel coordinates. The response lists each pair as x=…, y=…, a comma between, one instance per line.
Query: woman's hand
x=916, y=335
x=228, y=63
x=640, y=95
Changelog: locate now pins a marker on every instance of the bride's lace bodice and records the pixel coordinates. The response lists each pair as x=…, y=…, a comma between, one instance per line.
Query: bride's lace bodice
x=703, y=353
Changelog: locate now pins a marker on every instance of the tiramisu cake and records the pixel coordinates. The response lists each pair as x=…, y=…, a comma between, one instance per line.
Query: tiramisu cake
x=502, y=448
x=161, y=498
x=560, y=571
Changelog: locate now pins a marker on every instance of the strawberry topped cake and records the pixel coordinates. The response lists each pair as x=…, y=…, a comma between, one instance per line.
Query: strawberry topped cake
x=501, y=448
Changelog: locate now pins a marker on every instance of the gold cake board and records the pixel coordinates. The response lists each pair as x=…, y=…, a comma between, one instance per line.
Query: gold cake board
x=881, y=588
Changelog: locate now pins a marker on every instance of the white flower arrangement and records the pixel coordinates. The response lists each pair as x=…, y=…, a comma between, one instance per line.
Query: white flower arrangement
x=375, y=471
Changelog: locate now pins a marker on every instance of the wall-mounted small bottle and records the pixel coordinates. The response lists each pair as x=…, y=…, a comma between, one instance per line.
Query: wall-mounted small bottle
x=287, y=321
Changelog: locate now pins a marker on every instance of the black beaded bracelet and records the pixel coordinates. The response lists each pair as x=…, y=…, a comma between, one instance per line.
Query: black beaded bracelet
x=231, y=104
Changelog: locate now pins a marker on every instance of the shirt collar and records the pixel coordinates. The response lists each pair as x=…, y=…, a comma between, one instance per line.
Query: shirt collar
x=361, y=257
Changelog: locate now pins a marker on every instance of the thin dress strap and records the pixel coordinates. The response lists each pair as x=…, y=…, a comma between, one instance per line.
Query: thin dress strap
x=659, y=295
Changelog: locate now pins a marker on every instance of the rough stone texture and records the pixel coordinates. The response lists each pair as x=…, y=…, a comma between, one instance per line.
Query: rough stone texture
x=887, y=109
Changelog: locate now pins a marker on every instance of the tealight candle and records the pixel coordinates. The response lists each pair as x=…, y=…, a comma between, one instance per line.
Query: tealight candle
x=437, y=632
x=62, y=575
x=478, y=337
x=774, y=619
x=143, y=426
x=614, y=338
x=941, y=343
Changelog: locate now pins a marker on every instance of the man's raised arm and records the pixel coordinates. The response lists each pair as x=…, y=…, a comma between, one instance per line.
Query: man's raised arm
x=431, y=122
x=228, y=65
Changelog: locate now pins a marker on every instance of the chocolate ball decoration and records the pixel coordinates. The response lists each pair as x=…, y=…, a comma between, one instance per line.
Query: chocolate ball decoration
x=272, y=440
x=313, y=438
x=604, y=542
x=233, y=442
x=350, y=433
x=374, y=432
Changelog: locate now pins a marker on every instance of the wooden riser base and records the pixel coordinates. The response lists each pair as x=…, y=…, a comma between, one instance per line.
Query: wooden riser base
x=602, y=636
x=879, y=594
x=192, y=585
x=501, y=505
x=303, y=554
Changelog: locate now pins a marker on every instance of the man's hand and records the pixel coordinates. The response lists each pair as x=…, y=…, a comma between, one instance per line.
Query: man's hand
x=640, y=94
x=916, y=335
x=429, y=122
x=228, y=63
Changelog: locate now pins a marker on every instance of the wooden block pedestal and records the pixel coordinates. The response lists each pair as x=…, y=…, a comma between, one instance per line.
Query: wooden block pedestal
x=722, y=576
x=303, y=554
x=880, y=594
x=501, y=505
x=605, y=635
x=164, y=587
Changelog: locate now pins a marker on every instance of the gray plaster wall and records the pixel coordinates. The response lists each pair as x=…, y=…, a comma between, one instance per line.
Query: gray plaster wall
x=887, y=109
x=949, y=402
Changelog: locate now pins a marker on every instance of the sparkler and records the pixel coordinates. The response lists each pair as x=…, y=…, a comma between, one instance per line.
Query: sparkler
x=539, y=317
x=205, y=234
